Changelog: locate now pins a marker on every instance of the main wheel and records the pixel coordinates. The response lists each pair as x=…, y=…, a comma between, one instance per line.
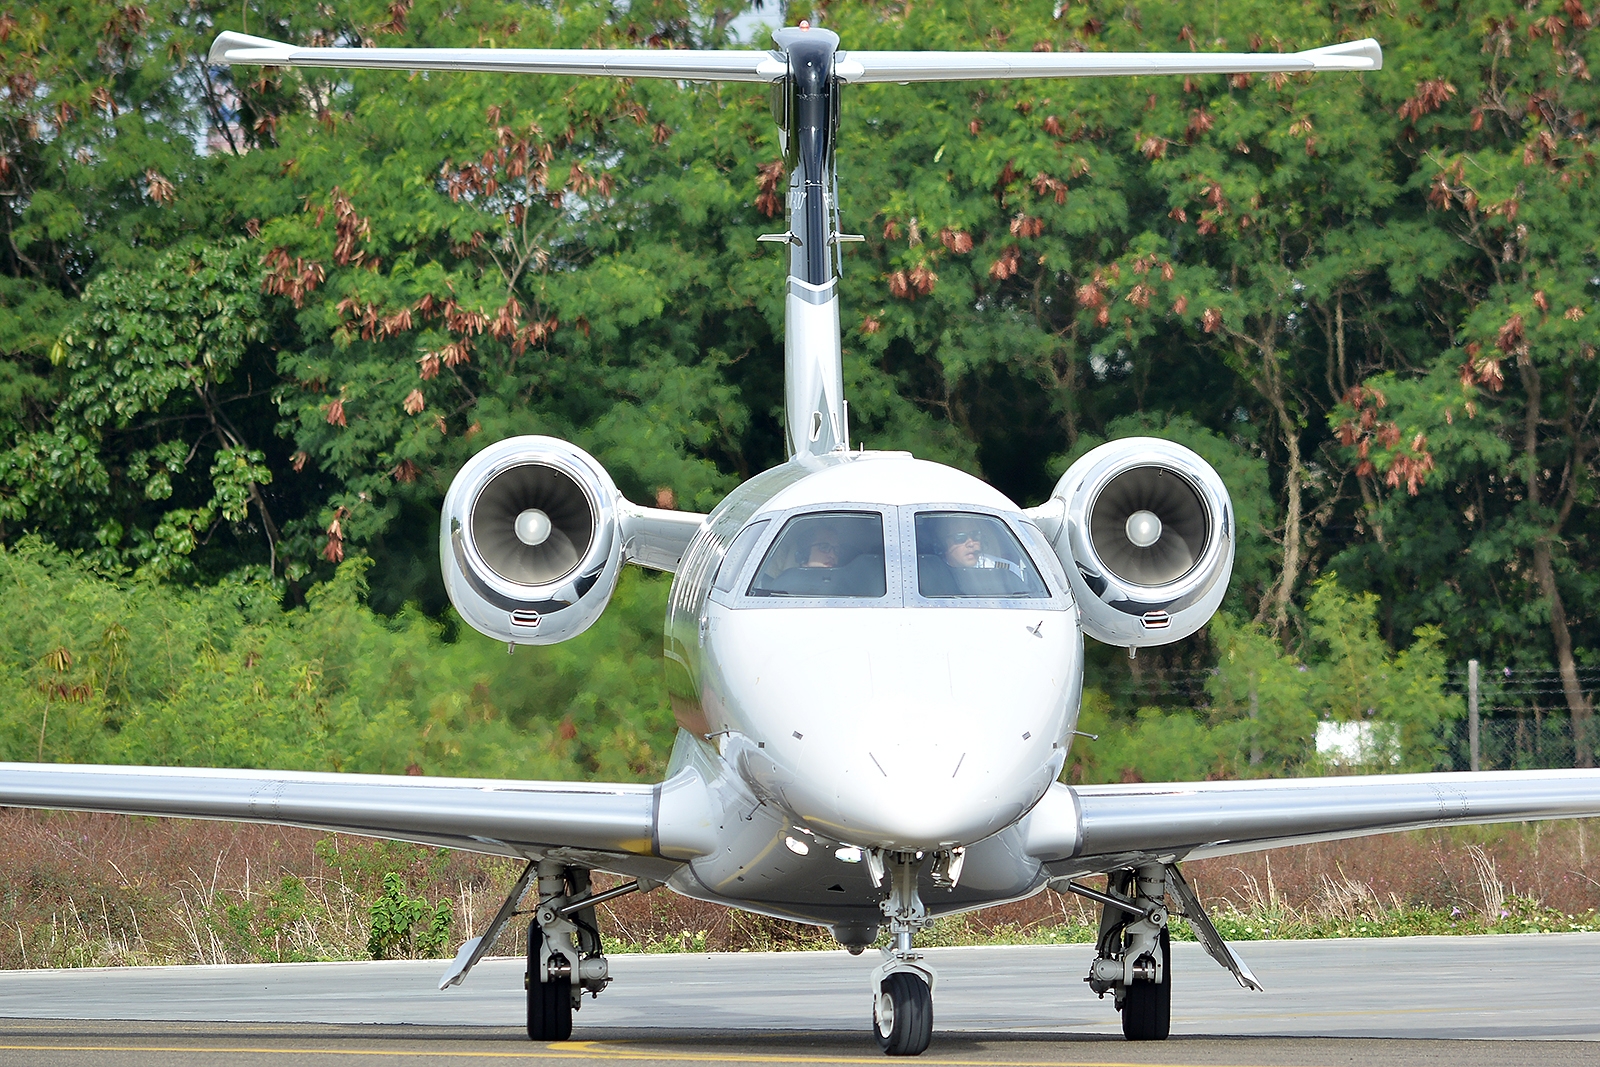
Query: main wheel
x=902, y=1018
x=550, y=1001
x=1147, y=1006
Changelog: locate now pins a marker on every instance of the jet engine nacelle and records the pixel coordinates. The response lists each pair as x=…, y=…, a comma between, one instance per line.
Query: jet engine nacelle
x=530, y=542
x=1145, y=530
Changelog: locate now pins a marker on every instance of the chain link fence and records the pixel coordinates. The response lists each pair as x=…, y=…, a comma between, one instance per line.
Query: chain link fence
x=1523, y=721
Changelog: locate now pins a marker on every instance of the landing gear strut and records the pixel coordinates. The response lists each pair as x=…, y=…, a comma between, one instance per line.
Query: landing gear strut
x=564, y=957
x=902, y=986
x=1134, y=953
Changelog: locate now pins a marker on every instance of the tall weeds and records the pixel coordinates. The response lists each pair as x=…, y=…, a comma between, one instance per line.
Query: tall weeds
x=82, y=890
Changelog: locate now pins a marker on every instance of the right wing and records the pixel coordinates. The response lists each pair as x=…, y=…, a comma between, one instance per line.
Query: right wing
x=1091, y=829
x=642, y=830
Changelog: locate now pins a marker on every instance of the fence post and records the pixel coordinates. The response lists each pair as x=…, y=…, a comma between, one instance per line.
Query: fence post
x=1472, y=710
x=1255, y=736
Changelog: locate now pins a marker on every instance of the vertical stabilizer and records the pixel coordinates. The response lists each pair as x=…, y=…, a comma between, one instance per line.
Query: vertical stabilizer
x=806, y=106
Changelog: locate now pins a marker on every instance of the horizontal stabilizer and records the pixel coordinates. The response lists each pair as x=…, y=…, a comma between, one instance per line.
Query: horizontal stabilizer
x=862, y=67
x=753, y=66
x=735, y=66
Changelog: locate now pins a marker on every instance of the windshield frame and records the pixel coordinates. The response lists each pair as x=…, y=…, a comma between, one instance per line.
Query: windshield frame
x=778, y=521
x=899, y=539
x=1029, y=538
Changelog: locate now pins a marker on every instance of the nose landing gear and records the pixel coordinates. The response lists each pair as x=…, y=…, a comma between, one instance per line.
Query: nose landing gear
x=902, y=986
x=902, y=1015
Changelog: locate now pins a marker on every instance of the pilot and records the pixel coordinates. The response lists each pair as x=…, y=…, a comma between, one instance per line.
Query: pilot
x=823, y=549
x=963, y=544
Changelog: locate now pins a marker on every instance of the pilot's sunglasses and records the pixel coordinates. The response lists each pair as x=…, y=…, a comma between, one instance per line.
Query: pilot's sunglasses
x=963, y=536
x=826, y=546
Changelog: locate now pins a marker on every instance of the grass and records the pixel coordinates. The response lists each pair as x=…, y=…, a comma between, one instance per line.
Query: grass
x=102, y=890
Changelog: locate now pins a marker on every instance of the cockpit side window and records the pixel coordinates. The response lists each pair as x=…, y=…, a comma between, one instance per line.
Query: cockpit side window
x=825, y=554
x=738, y=552
x=966, y=554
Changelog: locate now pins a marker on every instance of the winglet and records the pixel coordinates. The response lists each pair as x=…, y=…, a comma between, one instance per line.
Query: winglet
x=1365, y=54
x=230, y=48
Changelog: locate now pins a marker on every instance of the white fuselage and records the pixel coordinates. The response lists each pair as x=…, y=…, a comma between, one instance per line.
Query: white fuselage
x=901, y=722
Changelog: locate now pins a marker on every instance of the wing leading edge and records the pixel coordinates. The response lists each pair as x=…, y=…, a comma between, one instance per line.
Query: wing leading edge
x=851, y=67
x=1088, y=829
x=618, y=826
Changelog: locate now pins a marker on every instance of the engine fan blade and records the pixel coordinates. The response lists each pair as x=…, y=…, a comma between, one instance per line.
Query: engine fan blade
x=1173, y=501
x=532, y=487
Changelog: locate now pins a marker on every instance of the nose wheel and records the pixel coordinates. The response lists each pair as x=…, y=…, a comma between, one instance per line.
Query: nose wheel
x=902, y=1016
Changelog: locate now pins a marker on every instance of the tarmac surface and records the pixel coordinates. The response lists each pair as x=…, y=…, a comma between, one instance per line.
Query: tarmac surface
x=1423, y=1001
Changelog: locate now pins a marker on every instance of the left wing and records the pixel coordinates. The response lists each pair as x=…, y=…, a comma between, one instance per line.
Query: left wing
x=1090, y=829
x=644, y=830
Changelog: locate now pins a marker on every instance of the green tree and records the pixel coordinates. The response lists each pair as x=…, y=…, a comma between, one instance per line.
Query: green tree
x=153, y=443
x=1478, y=462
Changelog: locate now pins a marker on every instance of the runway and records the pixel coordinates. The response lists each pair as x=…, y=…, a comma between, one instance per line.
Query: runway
x=1534, y=996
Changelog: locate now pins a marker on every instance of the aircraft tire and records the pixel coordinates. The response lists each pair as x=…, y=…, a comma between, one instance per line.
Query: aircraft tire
x=1147, y=1006
x=549, y=1002
x=902, y=1018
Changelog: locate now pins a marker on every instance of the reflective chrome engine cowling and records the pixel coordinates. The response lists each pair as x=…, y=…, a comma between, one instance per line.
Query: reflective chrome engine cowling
x=529, y=540
x=1144, y=528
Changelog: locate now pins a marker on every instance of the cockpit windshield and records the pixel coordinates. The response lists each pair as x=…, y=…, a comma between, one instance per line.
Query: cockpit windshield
x=965, y=554
x=826, y=554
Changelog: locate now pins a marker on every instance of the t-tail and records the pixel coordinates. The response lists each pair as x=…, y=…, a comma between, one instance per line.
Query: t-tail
x=805, y=104
x=807, y=71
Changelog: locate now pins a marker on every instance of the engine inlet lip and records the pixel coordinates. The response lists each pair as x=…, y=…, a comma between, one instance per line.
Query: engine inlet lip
x=593, y=559
x=1130, y=598
x=1202, y=497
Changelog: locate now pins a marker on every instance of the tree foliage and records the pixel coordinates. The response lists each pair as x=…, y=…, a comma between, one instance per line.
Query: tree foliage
x=98, y=670
x=253, y=320
x=1265, y=707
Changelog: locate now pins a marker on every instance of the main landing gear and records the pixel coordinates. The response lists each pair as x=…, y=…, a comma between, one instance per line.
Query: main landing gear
x=1133, y=959
x=564, y=957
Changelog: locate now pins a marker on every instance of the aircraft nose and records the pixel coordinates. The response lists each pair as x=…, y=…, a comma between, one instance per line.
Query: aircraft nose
x=923, y=793
x=925, y=728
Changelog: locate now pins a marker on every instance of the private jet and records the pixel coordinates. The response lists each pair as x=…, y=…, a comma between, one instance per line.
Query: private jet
x=875, y=661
